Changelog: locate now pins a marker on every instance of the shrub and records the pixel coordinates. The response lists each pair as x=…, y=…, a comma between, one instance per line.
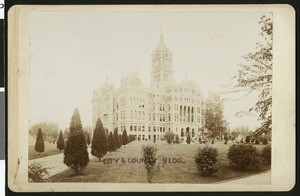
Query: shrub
x=169, y=136
x=257, y=142
x=244, y=156
x=36, y=172
x=188, y=139
x=265, y=141
x=248, y=138
x=266, y=155
x=206, y=160
x=149, y=156
x=177, y=139
x=200, y=141
x=225, y=142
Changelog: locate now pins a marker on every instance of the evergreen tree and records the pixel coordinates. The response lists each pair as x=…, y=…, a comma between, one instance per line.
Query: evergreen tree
x=182, y=134
x=60, y=144
x=130, y=138
x=188, y=139
x=99, y=141
x=176, y=139
x=121, y=140
x=39, y=144
x=76, y=156
x=125, y=139
x=88, y=139
x=111, y=143
x=116, y=137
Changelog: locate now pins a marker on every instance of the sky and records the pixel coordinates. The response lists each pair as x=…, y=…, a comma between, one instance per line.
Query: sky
x=74, y=52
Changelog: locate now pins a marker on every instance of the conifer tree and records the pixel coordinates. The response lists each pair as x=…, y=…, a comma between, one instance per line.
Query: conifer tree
x=99, y=141
x=129, y=138
x=60, y=144
x=176, y=139
x=125, y=139
x=88, y=139
x=39, y=144
x=181, y=134
x=76, y=156
x=188, y=139
x=121, y=140
x=116, y=137
x=111, y=143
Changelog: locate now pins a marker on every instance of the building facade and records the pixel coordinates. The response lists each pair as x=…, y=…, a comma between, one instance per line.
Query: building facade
x=149, y=112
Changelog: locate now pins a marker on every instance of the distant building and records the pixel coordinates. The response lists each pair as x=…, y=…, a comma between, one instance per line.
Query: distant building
x=148, y=112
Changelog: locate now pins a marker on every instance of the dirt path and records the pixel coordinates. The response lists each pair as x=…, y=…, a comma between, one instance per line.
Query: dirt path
x=54, y=163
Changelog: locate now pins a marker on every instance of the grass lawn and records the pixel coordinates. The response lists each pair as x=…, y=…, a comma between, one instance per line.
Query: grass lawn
x=169, y=173
x=50, y=149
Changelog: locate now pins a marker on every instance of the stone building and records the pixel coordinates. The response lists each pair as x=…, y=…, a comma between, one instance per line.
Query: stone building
x=148, y=112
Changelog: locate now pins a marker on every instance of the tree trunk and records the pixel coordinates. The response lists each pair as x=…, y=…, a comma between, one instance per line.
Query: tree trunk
x=99, y=159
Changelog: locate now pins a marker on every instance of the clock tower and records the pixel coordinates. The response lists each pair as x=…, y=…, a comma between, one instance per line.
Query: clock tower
x=161, y=72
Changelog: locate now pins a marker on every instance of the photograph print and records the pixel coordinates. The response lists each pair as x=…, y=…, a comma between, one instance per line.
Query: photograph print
x=155, y=97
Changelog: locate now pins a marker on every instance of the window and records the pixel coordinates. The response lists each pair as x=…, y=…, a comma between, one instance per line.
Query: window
x=131, y=127
x=198, y=109
x=149, y=129
x=143, y=128
x=134, y=128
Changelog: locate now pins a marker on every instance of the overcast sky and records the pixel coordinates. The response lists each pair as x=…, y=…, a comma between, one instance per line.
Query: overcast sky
x=72, y=53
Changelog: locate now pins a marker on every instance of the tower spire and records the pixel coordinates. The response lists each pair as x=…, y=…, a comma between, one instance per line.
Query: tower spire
x=161, y=33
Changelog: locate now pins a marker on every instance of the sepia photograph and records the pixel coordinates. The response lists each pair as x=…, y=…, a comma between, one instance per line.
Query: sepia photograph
x=148, y=96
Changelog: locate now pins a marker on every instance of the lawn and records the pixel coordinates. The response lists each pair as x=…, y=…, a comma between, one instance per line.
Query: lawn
x=184, y=172
x=50, y=149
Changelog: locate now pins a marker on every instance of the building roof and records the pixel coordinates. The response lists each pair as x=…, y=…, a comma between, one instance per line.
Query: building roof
x=132, y=80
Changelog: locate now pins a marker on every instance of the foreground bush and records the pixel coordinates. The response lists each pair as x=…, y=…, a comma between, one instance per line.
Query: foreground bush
x=266, y=155
x=244, y=157
x=206, y=159
x=36, y=172
x=149, y=156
